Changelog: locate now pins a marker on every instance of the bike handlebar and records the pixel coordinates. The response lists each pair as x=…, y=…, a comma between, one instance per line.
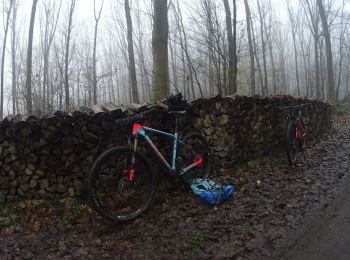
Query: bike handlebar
x=135, y=118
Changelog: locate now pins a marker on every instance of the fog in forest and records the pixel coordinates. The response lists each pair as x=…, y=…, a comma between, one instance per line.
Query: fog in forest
x=86, y=52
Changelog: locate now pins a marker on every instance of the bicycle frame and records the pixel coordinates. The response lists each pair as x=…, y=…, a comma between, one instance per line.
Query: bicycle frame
x=295, y=116
x=141, y=131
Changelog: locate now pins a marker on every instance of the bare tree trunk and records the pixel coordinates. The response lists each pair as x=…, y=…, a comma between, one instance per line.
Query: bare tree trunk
x=144, y=72
x=343, y=29
x=210, y=57
x=160, y=50
x=13, y=55
x=314, y=26
x=339, y=73
x=66, y=61
x=173, y=65
x=317, y=66
x=251, y=48
x=257, y=61
x=210, y=35
x=235, y=59
x=94, y=80
x=323, y=73
x=265, y=87
x=231, y=50
x=8, y=11
x=29, y=59
x=50, y=19
x=78, y=85
x=296, y=64
x=272, y=60
x=293, y=25
x=347, y=79
x=311, y=92
x=132, y=68
x=327, y=38
x=305, y=59
x=183, y=43
x=184, y=71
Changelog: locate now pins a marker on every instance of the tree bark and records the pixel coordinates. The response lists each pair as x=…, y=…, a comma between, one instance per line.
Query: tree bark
x=265, y=87
x=94, y=81
x=29, y=59
x=323, y=67
x=146, y=86
x=160, y=50
x=251, y=48
x=327, y=38
x=132, y=68
x=183, y=43
x=48, y=39
x=231, y=56
x=13, y=56
x=317, y=65
x=257, y=61
x=66, y=60
x=314, y=27
x=343, y=29
x=293, y=25
x=3, y=58
x=235, y=58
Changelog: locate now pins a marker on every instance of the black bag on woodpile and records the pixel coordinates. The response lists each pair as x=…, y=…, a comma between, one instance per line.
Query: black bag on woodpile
x=176, y=103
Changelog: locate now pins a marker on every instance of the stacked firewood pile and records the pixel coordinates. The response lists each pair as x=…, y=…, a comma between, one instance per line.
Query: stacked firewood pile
x=244, y=128
x=51, y=156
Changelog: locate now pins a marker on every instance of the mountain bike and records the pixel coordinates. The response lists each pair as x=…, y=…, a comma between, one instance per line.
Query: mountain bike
x=296, y=132
x=122, y=180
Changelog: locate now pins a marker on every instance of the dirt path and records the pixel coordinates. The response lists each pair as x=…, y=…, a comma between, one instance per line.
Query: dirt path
x=325, y=232
x=270, y=211
x=326, y=235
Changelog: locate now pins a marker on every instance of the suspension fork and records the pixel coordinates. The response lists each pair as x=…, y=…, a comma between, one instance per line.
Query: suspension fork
x=130, y=169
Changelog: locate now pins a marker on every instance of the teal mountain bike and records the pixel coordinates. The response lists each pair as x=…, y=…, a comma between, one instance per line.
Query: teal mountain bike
x=122, y=180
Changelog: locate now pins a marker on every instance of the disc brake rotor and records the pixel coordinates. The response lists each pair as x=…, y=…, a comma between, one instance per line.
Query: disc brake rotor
x=124, y=187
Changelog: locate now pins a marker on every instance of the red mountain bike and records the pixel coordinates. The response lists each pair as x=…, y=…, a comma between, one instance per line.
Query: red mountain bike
x=296, y=132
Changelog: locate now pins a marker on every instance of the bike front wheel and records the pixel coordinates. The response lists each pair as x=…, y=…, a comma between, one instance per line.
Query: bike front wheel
x=121, y=184
x=193, y=148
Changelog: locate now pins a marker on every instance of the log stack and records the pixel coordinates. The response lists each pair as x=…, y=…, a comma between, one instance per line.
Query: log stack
x=51, y=156
x=244, y=128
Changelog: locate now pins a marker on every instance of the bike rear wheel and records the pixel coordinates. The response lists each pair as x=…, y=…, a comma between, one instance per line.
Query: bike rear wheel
x=292, y=147
x=119, y=188
x=194, y=146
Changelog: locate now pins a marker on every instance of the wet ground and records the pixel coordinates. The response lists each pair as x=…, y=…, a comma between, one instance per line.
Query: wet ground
x=277, y=211
x=325, y=234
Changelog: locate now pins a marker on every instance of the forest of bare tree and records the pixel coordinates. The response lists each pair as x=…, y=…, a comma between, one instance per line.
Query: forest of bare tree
x=142, y=50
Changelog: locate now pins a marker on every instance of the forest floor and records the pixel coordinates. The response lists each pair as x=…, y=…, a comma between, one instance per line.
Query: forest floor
x=278, y=211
